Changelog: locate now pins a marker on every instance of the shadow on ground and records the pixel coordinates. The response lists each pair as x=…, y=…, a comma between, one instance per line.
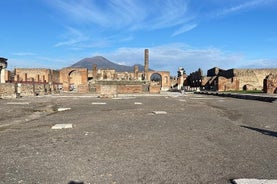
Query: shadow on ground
x=262, y=131
x=76, y=182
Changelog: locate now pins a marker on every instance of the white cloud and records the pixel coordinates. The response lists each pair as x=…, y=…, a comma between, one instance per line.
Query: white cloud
x=261, y=63
x=243, y=6
x=126, y=14
x=24, y=54
x=170, y=57
x=183, y=29
x=162, y=58
x=73, y=37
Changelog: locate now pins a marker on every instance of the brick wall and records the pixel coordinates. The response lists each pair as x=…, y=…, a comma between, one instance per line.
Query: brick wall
x=129, y=89
x=27, y=74
x=225, y=84
x=112, y=88
x=155, y=89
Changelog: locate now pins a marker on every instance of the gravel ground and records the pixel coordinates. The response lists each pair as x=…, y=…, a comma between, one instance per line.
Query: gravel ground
x=200, y=139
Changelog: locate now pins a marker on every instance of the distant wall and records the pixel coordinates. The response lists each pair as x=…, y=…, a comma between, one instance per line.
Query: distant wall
x=248, y=78
x=253, y=77
x=28, y=74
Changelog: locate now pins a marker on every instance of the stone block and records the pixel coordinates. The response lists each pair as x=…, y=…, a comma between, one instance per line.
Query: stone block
x=159, y=112
x=61, y=126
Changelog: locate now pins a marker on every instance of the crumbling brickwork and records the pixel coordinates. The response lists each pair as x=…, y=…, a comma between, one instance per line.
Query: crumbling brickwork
x=248, y=79
x=30, y=74
x=113, y=88
x=270, y=84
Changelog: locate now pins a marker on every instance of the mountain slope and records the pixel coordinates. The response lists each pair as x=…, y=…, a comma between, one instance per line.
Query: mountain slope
x=103, y=63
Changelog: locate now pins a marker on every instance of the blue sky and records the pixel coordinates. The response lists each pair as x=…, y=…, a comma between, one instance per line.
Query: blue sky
x=189, y=33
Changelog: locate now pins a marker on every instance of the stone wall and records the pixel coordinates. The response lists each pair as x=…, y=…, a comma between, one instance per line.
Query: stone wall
x=7, y=90
x=108, y=91
x=253, y=77
x=270, y=84
x=225, y=84
x=112, y=88
x=26, y=89
x=249, y=79
x=154, y=89
x=129, y=89
x=34, y=89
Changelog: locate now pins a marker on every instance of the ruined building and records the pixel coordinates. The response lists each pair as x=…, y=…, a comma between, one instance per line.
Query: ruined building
x=236, y=79
x=3, y=66
x=106, y=82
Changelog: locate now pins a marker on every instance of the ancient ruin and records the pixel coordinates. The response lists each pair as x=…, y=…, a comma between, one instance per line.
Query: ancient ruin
x=3, y=66
x=108, y=82
x=105, y=82
x=270, y=84
x=233, y=79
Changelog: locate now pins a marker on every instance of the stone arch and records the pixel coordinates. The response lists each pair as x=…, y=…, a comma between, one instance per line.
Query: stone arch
x=165, y=79
x=74, y=79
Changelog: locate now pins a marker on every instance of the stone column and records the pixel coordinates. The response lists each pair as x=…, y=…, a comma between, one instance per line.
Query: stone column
x=2, y=73
x=3, y=65
x=38, y=78
x=136, y=70
x=94, y=71
x=146, y=63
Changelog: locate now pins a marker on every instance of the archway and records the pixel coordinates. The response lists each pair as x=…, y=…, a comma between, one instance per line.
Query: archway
x=156, y=78
x=74, y=79
x=161, y=77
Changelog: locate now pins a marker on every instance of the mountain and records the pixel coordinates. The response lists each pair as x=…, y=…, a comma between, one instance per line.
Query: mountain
x=103, y=63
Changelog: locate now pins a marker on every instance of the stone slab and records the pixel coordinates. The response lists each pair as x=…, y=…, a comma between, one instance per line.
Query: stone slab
x=123, y=98
x=61, y=126
x=63, y=109
x=98, y=103
x=254, y=181
x=159, y=112
x=18, y=103
x=182, y=100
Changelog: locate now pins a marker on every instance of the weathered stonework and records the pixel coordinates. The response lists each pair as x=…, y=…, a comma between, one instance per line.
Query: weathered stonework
x=270, y=84
x=73, y=79
x=112, y=88
x=7, y=90
x=39, y=81
x=3, y=66
x=165, y=75
x=237, y=79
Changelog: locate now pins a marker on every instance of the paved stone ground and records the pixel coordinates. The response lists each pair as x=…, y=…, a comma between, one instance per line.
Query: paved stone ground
x=199, y=139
